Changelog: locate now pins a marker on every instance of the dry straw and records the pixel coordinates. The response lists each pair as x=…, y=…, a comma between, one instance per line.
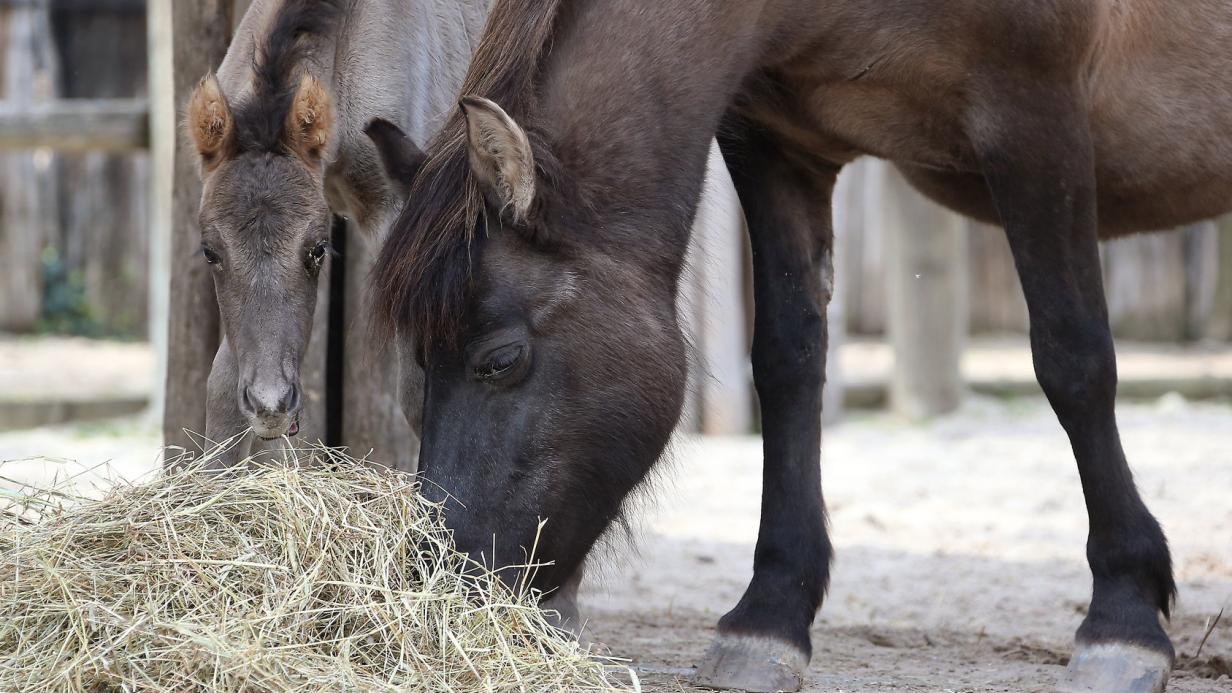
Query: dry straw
x=280, y=578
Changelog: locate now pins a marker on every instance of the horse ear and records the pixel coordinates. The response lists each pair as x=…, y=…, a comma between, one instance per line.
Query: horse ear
x=500, y=156
x=310, y=120
x=400, y=157
x=209, y=122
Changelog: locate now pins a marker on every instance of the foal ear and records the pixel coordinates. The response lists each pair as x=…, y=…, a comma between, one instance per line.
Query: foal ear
x=400, y=157
x=209, y=122
x=310, y=120
x=500, y=156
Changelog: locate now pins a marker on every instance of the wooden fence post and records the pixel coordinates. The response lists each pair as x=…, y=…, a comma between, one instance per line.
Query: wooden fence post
x=372, y=418
x=926, y=268
x=27, y=192
x=1220, y=325
x=726, y=396
x=997, y=302
x=162, y=171
x=1144, y=280
x=201, y=31
x=847, y=217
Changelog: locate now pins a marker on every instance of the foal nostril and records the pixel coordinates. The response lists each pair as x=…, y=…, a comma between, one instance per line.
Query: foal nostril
x=250, y=405
x=263, y=400
x=290, y=401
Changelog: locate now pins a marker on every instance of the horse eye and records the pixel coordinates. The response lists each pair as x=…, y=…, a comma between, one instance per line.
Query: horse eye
x=211, y=257
x=500, y=362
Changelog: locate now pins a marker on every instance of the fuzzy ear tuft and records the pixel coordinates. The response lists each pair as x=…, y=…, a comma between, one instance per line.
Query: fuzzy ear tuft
x=500, y=156
x=400, y=158
x=310, y=121
x=209, y=122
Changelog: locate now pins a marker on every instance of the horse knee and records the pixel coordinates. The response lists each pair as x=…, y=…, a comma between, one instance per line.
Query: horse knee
x=1078, y=371
x=791, y=357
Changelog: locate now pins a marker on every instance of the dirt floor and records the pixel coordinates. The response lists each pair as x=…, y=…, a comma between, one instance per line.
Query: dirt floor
x=959, y=544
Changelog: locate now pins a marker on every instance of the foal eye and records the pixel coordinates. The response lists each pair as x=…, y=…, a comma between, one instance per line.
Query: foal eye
x=211, y=257
x=318, y=252
x=500, y=362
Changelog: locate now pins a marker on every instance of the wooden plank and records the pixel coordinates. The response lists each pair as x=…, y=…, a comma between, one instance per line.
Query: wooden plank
x=871, y=310
x=372, y=418
x=997, y=303
x=27, y=184
x=79, y=125
x=103, y=211
x=1220, y=325
x=1201, y=245
x=926, y=263
x=201, y=31
x=237, y=13
x=1144, y=279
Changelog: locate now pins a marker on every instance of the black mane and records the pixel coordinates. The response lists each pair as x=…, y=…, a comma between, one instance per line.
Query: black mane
x=422, y=278
x=261, y=120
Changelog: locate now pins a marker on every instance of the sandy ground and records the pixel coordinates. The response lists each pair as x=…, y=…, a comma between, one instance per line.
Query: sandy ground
x=75, y=368
x=45, y=368
x=959, y=544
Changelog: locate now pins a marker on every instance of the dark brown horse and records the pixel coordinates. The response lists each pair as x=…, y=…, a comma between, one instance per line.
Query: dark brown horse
x=537, y=263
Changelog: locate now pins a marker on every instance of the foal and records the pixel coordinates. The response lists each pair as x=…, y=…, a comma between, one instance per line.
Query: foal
x=280, y=135
x=537, y=262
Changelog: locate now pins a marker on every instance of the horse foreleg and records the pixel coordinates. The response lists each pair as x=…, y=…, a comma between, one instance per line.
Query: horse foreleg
x=223, y=419
x=763, y=644
x=1036, y=153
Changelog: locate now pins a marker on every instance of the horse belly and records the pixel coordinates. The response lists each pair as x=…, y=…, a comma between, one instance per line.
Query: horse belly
x=1161, y=115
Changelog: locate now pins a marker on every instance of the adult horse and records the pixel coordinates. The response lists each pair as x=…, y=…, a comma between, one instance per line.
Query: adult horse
x=537, y=262
x=280, y=132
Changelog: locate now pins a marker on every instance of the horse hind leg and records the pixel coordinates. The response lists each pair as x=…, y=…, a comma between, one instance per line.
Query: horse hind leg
x=763, y=644
x=1038, y=159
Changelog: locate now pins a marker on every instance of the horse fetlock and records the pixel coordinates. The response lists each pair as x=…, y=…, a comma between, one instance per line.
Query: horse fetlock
x=1133, y=567
x=752, y=663
x=1116, y=667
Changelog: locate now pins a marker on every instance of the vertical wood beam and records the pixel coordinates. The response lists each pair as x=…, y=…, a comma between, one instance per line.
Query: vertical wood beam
x=200, y=32
x=926, y=288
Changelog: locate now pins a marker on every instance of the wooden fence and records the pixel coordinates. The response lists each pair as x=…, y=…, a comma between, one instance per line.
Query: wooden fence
x=73, y=126
x=1165, y=287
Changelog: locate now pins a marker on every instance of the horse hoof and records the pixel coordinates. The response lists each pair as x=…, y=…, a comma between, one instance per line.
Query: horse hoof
x=754, y=664
x=1116, y=668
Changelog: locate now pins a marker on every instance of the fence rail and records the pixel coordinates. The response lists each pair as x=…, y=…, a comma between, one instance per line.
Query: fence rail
x=78, y=125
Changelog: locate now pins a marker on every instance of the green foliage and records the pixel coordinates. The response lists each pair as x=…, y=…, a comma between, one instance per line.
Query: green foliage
x=66, y=307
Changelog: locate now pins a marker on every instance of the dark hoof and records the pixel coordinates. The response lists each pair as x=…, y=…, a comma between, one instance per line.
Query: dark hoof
x=1116, y=668
x=754, y=664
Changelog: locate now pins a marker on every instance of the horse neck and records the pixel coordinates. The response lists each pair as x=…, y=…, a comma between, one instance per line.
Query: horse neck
x=633, y=92
x=401, y=60
x=413, y=55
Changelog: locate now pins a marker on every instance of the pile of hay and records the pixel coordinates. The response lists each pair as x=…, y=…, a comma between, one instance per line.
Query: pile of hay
x=278, y=579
